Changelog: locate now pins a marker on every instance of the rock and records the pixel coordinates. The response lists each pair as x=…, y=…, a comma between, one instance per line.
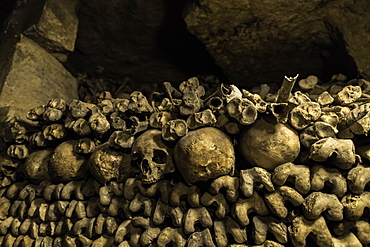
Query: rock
x=56, y=29
x=260, y=41
x=144, y=40
x=32, y=78
x=352, y=20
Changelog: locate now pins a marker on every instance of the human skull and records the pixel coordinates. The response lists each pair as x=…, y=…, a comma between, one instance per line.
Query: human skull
x=153, y=156
x=204, y=154
x=106, y=164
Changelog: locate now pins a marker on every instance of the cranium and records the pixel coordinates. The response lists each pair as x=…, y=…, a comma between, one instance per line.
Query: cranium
x=153, y=157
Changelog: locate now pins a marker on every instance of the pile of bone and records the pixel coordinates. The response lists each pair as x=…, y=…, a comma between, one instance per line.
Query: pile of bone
x=233, y=168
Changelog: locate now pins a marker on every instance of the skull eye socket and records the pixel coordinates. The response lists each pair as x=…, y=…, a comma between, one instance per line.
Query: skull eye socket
x=136, y=159
x=159, y=156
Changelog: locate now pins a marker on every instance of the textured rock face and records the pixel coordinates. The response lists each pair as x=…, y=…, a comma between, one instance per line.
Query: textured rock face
x=56, y=29
x=34, y=77
x=258, y=41
x=117, y=37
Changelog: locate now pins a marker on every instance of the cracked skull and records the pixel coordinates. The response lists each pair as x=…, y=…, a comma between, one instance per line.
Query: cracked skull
x=153, y=157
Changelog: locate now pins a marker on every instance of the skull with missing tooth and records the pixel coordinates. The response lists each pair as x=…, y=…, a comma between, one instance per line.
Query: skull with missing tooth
x=153, y=156
x=204, y=154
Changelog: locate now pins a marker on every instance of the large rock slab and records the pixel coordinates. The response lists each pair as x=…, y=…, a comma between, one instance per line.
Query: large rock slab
x=56, y=27
x=32, y=79
x=261, y=41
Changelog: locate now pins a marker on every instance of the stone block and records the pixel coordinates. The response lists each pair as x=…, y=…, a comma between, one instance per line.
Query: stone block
x=32, y=79
x=56, y=29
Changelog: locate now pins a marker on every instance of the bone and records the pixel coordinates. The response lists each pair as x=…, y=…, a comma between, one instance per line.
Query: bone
x=256, y=99
x=8, y=240
x=117, y=204
x=301, y=227
x=243, y=207
x=169, y=235
x=99, y=124
x=103, y=240
x=347, y=240
x=73, y=187
x=214, y=103
x=191, y=103
x=158, y=119
x=343, y=149
x=65, y=164
x=37, y=139
x=163, y=210
x=14, y=228
x=348, y=95
x=13, y=191
x=52, y=213
x=117, y=122
x=94, y=207
x=255, y=175
x=299, y=174
x=80, y=126
x=121, y=139
x=54, y=132
x=263, y=225
x=151, y=232
x=127, y=228
x=70, y=211
x=275, y=200
x=203, y=238
x=358, y=177
x=325, y=99
x=320, y=176
x=180, y=190
x=110, y=225
x=18, y=151
x=303, y=115
x=52, y=114
x=162, y=187
x=99, y=224
x=174, y=129
x=141, y=202
x=228, y=226
x=64, y=226
x=5, y=205
x=308, y=83
x=222, y=206
x=229, y=184
x=36, y=112
x=200, y=119
x=242, y=110
x=354, y=205
x=78, y=109
x=361, y=227
x=196, y=215
x=138, y=103
x=84, y=241
x=104, y=196
x=317, y=203
x=84, y=226
x=106, y=106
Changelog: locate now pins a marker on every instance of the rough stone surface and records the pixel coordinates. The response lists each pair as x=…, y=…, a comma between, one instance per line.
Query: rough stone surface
x=56, y=29
x=144, y=40
x=260, y=41
x=33, y=78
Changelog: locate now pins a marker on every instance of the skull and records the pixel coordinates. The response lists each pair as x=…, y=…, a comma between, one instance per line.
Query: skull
x=204, y=154
x=153, y=157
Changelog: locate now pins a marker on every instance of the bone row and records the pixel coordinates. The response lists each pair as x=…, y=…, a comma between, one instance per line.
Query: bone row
x=26, y=204
x=228, y=108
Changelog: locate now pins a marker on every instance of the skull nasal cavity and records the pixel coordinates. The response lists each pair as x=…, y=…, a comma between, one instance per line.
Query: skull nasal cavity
x=159, y=156
x=145, y=168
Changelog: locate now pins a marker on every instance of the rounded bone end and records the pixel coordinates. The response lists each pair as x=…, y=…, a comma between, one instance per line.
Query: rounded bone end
x=268, y=144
